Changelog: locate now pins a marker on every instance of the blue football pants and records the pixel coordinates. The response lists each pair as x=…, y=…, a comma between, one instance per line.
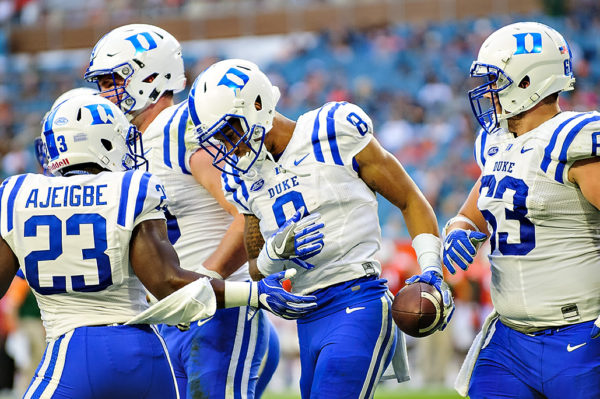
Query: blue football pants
x=556, y=363
x=116, y=362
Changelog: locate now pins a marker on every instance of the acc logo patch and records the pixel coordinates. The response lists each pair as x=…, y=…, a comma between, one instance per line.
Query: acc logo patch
x=493, y=151
x=257, y=185
x=61, y=121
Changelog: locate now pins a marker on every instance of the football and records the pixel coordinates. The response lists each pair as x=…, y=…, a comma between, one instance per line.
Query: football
x=418, y=309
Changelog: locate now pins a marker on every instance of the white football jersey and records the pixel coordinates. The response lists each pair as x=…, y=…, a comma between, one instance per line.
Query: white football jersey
x=317, y=170
x=71, y=237
x=545, y=243
x=196, y=221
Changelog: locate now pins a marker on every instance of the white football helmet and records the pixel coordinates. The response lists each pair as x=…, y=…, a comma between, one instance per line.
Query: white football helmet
x=229, y=90
x=89, y=129
x=148, y=59
x=522, y=64
x=40, y=150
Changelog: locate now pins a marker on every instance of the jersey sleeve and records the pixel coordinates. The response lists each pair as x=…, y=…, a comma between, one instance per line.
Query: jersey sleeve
x=340, y=131
x=236, y=191
x=586, y=139
x=575, y=139
x=143, y=197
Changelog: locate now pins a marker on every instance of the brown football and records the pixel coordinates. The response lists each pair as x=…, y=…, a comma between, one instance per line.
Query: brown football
x=418, y=309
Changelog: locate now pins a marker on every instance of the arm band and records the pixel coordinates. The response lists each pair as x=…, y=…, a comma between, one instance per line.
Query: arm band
x=238, y=293
x=428, y=248
x=459, y=218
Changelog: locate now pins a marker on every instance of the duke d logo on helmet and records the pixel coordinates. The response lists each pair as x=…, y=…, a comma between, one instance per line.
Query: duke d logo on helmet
x=524, y=42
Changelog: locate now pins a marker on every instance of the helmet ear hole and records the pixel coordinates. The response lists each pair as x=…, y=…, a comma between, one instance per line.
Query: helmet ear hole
x=258, y=103
x=107, y=144
x=525, y=82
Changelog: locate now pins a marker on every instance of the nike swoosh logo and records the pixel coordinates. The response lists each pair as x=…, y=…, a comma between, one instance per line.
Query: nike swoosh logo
x=572, y=348
x=113, y=54
x=297, y=162
x=350, y=310
x=524, y=150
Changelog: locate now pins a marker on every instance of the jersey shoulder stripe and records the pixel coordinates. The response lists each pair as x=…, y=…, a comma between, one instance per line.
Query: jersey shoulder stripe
x=174, y=132
x=558, y=151
x=330, y=131
x=10, y=205
x=338, y=131
x=232, y=185
x=123, y=201
x=141, y=196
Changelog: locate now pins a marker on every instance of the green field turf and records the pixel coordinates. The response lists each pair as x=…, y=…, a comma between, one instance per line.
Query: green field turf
x=401, y=393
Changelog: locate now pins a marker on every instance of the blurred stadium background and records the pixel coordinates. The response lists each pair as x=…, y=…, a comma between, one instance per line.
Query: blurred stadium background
x=405, y=62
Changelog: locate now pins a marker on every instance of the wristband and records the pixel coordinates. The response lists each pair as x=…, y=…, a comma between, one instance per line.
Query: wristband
x=238, y=293
x=428, y=248
x=459, y=218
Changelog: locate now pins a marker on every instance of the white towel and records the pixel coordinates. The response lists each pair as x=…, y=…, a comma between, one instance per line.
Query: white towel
x=192, y=302
x=464, y=375
x=398, y=369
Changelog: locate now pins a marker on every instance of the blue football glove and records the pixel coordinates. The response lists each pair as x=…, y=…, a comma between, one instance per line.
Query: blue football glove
x=596, y=329
x=432, y=277
x=298, y=239
x=275, y=299
x=460, y=246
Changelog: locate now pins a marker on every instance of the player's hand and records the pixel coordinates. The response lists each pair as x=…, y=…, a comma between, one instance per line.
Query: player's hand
x=274, y=298
x=432, y=277
x=596, y=329
x=298, y=239
x=460, y=246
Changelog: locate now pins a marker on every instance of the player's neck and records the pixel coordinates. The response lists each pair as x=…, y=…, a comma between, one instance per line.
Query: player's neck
x=147, y=116
x=533, y=118
x=280, y=134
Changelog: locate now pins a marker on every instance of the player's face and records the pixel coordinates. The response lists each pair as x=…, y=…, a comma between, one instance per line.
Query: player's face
x=111, y=87
x=230, y=135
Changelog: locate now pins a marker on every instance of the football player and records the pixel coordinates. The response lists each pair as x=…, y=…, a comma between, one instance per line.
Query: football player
x=88, y=240
x=326, y=163
x=537, y=200
x=140, y=67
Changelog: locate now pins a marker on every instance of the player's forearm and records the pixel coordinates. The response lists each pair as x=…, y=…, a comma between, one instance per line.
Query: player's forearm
x=471, y=213
x=419, y=216
x=231, y=252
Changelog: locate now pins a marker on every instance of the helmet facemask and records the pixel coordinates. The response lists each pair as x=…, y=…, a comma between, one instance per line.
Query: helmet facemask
x=487, y=93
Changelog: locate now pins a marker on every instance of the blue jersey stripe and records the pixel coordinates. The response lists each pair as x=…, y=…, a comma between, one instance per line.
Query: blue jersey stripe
x=2, y=186
x=142, y=193
x=167, y=138
x=315, y=138
x=10, y=206
x=124, y=197
x=355, y=165
x=335, y=152
x=562, y=158
x=550, y=147
x=192, y=103
x=229, y=189
x=50, y=370
x=482, y=149
x=239, y=181
x=181, y=140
